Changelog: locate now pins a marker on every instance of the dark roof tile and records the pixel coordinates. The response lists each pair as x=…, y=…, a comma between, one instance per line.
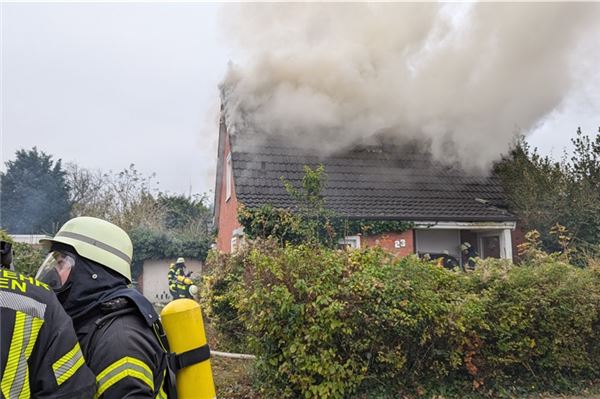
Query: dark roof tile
x=394, y=184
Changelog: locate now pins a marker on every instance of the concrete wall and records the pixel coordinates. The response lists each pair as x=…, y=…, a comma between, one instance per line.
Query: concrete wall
x=154, y=283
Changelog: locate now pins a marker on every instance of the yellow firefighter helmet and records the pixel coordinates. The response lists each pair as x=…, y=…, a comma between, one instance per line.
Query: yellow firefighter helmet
x=98, y=240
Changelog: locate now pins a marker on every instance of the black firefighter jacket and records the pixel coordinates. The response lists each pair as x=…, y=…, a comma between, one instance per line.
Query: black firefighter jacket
x=114, y=325
x=124, y=354
x=39, y=353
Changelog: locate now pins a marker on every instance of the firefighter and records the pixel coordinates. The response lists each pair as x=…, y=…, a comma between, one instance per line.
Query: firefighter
x=88, y=267
x=468, y=256
x=40, y=356
x=179, y=280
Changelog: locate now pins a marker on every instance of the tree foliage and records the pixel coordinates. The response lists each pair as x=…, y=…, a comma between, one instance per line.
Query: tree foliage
x=34, y=195
x=160, y=225
x=186, y=214
x=126, y=198
x=37, y=196
x=543, y=192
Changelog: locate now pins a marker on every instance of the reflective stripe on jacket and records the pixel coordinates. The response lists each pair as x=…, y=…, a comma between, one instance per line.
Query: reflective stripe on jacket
x=39, y=353
x=178, y=282
x=125, y=355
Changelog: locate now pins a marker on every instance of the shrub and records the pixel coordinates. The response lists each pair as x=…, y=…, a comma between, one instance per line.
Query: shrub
x=328, y=324
x=26, y=258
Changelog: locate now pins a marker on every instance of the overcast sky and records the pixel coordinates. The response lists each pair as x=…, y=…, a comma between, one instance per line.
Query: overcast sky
x=107, y=85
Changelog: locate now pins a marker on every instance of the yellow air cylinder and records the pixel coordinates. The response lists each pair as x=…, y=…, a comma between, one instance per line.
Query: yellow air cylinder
x=183, y=324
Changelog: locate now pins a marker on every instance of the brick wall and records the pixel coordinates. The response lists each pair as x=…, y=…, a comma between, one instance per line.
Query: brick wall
x=228, y=208
x=518, y=237
x=387, y=242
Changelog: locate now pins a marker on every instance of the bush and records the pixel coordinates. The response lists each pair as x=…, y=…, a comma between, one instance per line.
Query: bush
x=329, y=324
x=156, y=244
x=26, y=258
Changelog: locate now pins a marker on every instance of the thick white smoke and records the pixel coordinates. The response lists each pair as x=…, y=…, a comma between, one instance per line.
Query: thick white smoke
x=464, y=77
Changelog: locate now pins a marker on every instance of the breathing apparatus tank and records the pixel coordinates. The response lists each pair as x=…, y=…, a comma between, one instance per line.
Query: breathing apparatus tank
x=184, y=327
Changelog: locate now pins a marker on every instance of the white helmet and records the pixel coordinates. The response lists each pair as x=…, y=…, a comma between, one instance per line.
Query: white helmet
x=465, y=246
x=98, y=240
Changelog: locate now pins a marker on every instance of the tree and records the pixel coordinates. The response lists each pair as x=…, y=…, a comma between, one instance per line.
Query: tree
x=34, y=195
x=125, y=198
x=160, y=225
x=543, y=192
x=187, y=214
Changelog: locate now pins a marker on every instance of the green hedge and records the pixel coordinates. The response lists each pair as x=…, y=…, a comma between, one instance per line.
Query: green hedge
x=157, y=244
x=26, y=258
x=332, y=324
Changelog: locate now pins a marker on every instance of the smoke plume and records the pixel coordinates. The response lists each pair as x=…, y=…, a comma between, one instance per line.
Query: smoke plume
x=462, y=77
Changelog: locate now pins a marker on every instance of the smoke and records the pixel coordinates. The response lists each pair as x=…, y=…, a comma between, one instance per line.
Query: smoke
x=465, y=78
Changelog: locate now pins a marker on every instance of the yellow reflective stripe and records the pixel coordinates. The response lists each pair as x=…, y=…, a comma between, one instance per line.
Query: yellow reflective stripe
x=15, y=379
x=124, y=367
x=161, y=392
x=67, y=365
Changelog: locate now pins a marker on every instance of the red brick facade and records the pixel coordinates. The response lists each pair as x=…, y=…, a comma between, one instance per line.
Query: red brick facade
x=227, y=208
x=518, y=237
x=388, y=241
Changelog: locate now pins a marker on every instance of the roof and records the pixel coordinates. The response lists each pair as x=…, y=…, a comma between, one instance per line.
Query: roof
x=386, y=182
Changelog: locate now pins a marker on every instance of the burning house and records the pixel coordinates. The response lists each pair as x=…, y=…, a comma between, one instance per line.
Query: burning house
x=390, y=182
x=322, y=84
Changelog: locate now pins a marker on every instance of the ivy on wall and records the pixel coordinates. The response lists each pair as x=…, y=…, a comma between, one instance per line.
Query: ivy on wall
x=310, y=221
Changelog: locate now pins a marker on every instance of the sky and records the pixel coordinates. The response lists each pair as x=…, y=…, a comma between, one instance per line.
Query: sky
x=108, y=85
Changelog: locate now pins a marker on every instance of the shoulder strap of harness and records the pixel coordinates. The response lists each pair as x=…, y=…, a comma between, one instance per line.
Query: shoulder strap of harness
x=171, y=376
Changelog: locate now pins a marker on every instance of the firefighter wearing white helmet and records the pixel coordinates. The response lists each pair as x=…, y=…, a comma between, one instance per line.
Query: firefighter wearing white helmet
x=88, y=267
x=468, y=255
x=180, y=283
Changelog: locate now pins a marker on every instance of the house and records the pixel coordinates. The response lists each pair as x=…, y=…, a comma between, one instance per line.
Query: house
x=376, y=182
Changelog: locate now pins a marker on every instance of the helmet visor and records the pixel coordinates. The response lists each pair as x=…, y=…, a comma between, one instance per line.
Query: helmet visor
x=56, y=269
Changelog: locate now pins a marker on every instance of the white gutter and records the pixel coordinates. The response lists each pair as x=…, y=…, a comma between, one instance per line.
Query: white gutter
x=465, y=225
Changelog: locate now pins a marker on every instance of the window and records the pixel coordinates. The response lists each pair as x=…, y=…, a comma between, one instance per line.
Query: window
x=349, y=242
x=490, y=246
x=228, y=177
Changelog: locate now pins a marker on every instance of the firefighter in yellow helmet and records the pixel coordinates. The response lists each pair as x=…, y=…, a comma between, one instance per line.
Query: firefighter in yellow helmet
x=179, y=280
x=88, y=267
x=39, y=353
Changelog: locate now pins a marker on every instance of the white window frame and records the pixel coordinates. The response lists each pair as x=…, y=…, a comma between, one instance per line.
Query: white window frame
x=228, y=177
x=504, y=240
x=352, y=242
